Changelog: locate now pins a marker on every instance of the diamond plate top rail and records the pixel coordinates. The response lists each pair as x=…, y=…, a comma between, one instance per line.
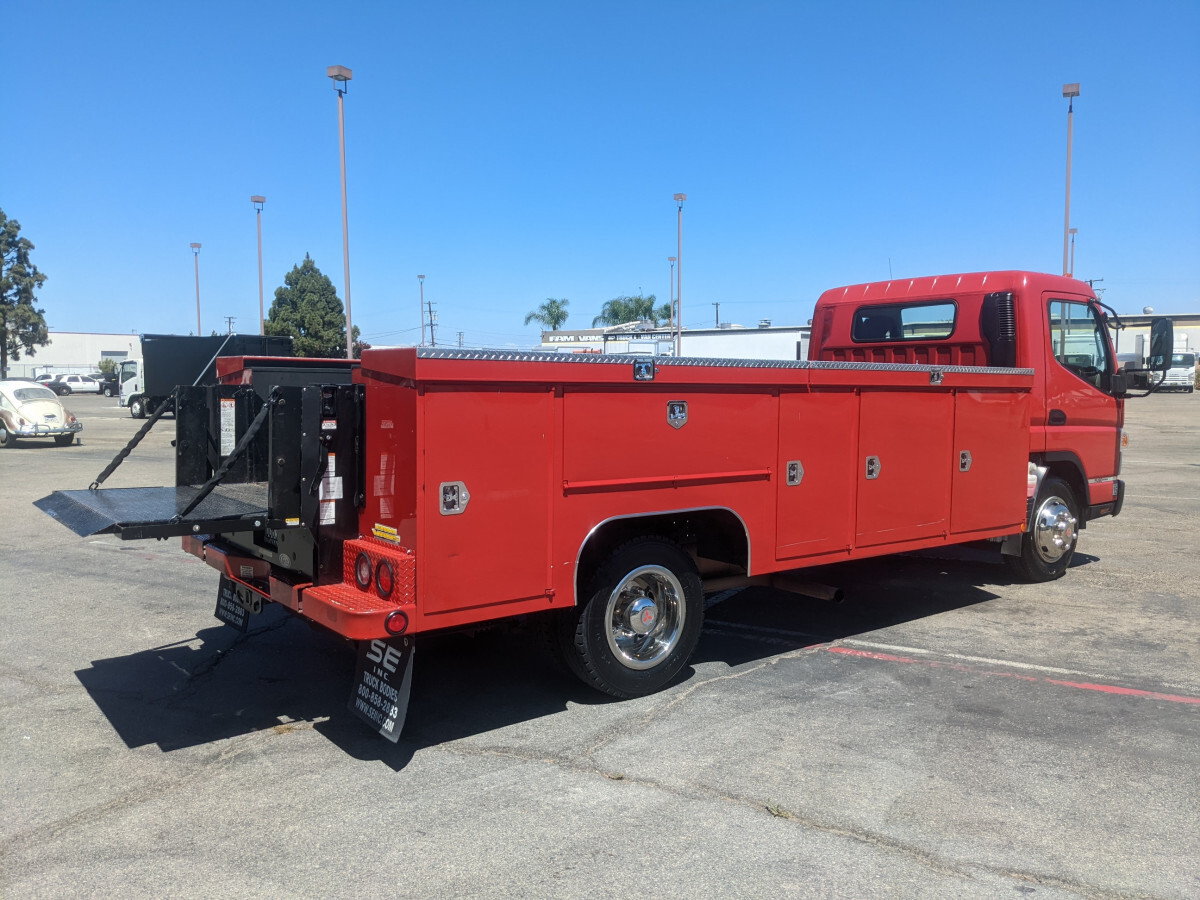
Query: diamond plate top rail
x=625, y=359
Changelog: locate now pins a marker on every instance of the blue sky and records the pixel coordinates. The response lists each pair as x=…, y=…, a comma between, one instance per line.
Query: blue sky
x=516, y=151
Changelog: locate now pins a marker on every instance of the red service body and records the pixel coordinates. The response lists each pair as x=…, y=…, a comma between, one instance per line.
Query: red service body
x=497, y=483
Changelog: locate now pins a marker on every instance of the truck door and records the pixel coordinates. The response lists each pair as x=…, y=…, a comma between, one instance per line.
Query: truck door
x=1080, y=418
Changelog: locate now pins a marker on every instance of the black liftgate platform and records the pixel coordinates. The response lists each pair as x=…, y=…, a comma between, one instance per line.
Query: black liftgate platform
x=243, y=463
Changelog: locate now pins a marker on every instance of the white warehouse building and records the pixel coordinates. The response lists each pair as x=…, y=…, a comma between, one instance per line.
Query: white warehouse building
x=75, y=352
x=767, y=341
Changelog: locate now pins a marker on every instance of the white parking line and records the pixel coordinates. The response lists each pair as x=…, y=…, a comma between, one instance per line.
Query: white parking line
x=1009, y=663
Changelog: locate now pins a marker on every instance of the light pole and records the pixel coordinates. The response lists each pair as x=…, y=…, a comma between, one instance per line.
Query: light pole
x=258, y=208
x=679, y=198
x=196, y=252
x=1074, y=231
x=671, y=307
x=421, y=278
x=1070, y=91
x=341, y=75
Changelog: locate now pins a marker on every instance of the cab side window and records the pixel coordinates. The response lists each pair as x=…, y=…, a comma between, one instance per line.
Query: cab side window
x=1078, y=340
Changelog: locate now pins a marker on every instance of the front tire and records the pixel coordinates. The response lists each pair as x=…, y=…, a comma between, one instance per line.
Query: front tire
x=1049, y=545
x=641, y=621
x=137, y=407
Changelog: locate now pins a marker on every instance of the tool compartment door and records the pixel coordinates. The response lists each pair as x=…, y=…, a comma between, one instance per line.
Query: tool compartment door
x=905, y=493
x=818, y=437
x=990, y=483
x=488, y=450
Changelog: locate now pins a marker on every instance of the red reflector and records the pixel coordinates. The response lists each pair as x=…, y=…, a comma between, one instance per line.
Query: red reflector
x=396, y=622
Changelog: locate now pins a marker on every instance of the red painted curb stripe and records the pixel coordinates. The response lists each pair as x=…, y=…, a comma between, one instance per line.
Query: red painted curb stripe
x=1079, y=685
x=1128, y=692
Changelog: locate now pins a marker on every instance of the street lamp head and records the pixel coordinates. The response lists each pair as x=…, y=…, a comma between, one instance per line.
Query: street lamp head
x=670, y=259
x=258, y=201
x=1071, y=90
x=339, y=73
x=1074, y=230
x=195, y=247
x=420, y=278
x=680, y=197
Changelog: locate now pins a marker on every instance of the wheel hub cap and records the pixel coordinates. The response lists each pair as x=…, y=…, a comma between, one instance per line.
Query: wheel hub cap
x=643, y=614
x=1055, y=530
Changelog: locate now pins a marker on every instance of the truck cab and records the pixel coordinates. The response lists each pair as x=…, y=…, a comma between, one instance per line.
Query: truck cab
x=1182, y=374
x=1049, y=324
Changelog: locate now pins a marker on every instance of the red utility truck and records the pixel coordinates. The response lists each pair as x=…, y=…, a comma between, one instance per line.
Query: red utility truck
x=604, y=495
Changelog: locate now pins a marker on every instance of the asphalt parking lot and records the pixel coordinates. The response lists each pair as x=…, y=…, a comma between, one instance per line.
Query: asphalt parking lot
x=944, y=732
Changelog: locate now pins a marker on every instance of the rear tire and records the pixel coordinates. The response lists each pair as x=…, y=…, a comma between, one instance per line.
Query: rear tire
x=7, y=439
x=641, y=621
x=64, y=440
x=108, y=392
x=1047, y=548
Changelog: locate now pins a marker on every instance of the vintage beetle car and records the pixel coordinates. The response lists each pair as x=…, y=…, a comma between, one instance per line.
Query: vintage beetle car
x=30, y=410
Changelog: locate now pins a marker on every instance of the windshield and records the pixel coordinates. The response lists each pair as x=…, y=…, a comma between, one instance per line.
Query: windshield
x=33, y=392
x=1180, y=360
x=128, y=369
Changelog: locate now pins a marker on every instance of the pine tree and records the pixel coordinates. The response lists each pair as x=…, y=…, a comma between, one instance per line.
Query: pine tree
x=308, y=308
x=22, y=325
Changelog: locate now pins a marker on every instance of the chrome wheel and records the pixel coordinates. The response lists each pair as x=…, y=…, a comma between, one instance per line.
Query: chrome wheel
x=645, y=616
x=1054, y=530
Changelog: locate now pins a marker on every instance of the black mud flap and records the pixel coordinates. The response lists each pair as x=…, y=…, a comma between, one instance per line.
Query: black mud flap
x=382, y=683
x=232, y=609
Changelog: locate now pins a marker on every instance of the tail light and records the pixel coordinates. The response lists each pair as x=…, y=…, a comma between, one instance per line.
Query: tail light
x=385, y=579
x=362, y=571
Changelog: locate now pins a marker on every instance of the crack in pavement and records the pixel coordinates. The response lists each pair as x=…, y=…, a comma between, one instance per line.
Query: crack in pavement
x=584, y=764
x=205, y=670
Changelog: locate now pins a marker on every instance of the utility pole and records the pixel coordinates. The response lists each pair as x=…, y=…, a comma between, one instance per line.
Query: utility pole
x=432, y=325
x=229, y=320
x=718, y=306
x=679, y=198
x=460, y=339
x=1070, y=92
x=421, y=308
x=341, y=75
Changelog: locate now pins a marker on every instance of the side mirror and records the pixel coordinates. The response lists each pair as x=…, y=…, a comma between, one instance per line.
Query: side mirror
x=1162, y=344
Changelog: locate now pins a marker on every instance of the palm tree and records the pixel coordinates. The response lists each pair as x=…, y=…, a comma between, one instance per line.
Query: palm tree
x=620, y=310
x=552, y=313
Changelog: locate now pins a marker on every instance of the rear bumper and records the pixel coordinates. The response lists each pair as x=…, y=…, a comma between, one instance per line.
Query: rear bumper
x=32, y=429
x=354, y=612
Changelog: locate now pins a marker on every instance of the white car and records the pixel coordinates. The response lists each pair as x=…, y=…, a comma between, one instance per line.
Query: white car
x=74, y=384
x=29, y=410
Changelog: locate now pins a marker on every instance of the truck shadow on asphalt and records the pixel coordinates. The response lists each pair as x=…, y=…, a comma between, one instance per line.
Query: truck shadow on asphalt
x=284, y=676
